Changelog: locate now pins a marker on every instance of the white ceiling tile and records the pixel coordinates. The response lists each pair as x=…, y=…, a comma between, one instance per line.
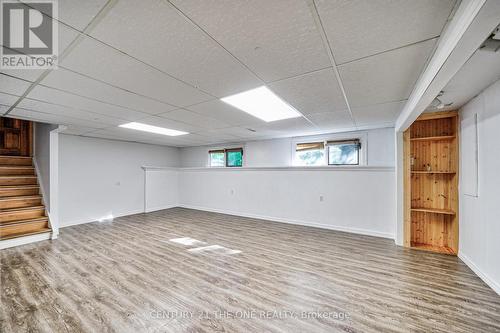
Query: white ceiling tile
x=25, y=74
x=4, y=108
x=195, y=119
x=377, y=114
x=238, y=133
x=78, y=13
x=276, y=39
x=12, y=85
x=115, y=68
x=359, y=28
x=77, y=130
x=81, y=85
x=225, y=112
x=208, y=136
x=98, y=120
x=332, y=120
x=8, y=99
x=169, y=123
x=155, y=33
x=386, y=77
x=316, y=92
x=81, y=103
x=53, y=118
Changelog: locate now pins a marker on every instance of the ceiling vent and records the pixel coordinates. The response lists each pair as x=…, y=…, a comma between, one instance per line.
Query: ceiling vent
x=492, y=44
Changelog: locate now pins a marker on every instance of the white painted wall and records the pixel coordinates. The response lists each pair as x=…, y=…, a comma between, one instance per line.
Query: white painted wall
x=479, y=246
x=359, y=200
x=99, y=178
x=162, y=188
x=41, y=154
x=279, y=152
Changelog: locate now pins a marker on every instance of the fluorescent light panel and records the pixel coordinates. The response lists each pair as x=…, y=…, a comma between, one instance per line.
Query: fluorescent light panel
x=263, y=104
x=153, y=129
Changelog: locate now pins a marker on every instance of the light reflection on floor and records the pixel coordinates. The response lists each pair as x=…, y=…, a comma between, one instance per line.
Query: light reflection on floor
x=188, y=241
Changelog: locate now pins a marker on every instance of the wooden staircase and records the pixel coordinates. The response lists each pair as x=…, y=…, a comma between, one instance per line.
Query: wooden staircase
x=22, y=211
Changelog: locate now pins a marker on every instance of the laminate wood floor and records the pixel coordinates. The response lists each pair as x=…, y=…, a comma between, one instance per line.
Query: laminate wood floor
x=182, y=270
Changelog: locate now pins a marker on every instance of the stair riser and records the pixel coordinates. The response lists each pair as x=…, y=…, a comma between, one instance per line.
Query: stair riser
x=19, y=203
x=12, y=160
x=8, y=230
x=22, y=215
x=17, y=181
x=17, y=172
x=18, y=192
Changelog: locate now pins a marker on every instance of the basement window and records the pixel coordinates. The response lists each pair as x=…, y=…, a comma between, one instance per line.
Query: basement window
x=343, y=152
x=216, y=158
x=310, y=154
x=232, y=157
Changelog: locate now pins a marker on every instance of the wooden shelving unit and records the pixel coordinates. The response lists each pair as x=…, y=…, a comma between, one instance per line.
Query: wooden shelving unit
x=431, y=183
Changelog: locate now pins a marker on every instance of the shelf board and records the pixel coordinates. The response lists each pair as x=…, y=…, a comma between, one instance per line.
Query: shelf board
x=433, y=210
x=434, y=138
x=430, y=172
x=432, y=248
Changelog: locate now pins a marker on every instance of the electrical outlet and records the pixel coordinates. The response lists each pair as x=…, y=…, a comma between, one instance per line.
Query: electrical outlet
x=321, y=198
x=232, y=192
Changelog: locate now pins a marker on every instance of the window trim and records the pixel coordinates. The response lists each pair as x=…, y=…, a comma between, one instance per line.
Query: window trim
x=337, y=142
x=362, y=136
x=225, y=151
x=233, y=150
x=213, y=151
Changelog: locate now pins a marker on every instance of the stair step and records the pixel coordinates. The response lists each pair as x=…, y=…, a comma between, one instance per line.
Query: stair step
x=16, y=160
x=19, y=214
x=20, y=201
x=16, y=170
x=18, y=180
x=24, y=228
x=13, y=191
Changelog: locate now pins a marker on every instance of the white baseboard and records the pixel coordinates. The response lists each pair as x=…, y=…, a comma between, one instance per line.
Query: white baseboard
x=154, y=209
x=352, y=230
x=24, y=240
x=483, y=276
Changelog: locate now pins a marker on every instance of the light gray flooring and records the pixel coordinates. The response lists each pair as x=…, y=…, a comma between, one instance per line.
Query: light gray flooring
x=129, y=276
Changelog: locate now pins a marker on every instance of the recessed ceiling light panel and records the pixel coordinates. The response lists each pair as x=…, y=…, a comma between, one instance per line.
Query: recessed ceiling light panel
x=153, y=129
x=263, y=104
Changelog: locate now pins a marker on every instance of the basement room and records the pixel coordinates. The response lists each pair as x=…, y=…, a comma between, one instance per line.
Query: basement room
x=250, y=166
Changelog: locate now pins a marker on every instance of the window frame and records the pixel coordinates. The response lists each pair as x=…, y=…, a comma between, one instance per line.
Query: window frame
x=330, y=143
x=226, y=161
x=362, y=136
x=225, y=151
x=213, y=151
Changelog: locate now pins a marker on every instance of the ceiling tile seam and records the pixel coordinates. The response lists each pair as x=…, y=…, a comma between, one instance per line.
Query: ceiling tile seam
x=381, y=103
x=386, y=51
x=319, y=26
x=98, y=100
x=85, y=31
x=191, y=21
x=185, y=109
x=299, y=75
x=79, y=109
x=92, y=78
x=102, y=12
x=125, y=90
x=151, y=66
x=51, y=114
